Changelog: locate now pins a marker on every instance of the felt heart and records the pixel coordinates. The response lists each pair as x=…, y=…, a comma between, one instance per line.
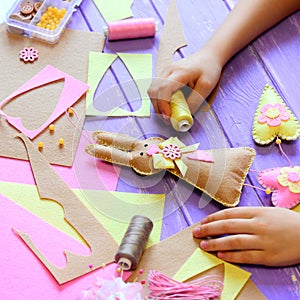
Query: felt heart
x=200, y=155
x=284, y=184
x=273, y=119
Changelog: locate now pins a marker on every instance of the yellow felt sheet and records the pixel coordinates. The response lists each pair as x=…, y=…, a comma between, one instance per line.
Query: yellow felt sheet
x=296, y=208
x=140, y=68
x=112, y=209
x=113, y=10
x=235, y=278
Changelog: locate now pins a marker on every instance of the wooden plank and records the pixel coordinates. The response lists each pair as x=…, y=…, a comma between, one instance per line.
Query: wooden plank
x=236, y=100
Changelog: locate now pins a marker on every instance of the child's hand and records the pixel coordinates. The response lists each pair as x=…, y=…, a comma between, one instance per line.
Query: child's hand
x=255, y=235
x=200, y=71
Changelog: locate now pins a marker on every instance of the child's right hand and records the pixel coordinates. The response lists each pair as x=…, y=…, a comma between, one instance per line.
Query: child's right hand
x=253, y=235
x=200, y=71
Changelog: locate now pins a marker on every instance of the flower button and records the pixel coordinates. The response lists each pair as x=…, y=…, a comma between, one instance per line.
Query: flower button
x=29, y=54
x=171, y=151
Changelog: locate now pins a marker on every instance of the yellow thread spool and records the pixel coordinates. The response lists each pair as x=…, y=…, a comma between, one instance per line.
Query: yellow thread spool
x=181, y=117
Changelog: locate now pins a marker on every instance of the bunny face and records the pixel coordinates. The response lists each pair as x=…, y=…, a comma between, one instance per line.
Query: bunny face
x=124, y=150
x=140, y=161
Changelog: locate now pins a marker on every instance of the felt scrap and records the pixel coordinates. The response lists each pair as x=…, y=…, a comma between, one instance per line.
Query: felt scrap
x=72, y=91
x=273, y=119
x=157, y=257
x=221, y=179
x=140, y=68
x=115, y=9
x=235, y=278
x=172, y=38
x=64, y=56
x=101, y=244
x=284, y=183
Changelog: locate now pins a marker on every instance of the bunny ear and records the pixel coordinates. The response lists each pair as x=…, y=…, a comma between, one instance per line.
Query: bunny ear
x=273, y=119
x=109, y=154
x=120, y=141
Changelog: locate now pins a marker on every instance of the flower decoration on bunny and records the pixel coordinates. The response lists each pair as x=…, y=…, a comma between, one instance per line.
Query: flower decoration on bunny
x=168, y=154
x=220, y=173
x=273, y=119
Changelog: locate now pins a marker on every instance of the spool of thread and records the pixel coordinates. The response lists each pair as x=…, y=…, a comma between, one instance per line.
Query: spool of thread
x=133, y=243
x=130, y=29
x=181, y=117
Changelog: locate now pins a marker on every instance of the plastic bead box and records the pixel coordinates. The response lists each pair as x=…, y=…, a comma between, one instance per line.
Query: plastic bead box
x=44, y=20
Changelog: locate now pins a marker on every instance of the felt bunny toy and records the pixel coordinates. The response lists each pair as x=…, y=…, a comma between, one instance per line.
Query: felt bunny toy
x=220, y=173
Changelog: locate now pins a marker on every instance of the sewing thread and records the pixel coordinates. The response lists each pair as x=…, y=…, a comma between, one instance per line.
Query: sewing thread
x=163, y=287
x=130, y=29
x=133, y=243
x=181, y=117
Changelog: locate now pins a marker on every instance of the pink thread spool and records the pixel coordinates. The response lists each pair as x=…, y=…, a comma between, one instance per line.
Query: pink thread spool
x=130, y=29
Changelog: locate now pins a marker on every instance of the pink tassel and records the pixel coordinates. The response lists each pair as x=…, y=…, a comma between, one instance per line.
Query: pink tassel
x=163, y=287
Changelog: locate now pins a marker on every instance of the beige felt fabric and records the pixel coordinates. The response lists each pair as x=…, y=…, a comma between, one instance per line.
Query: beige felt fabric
x=69, y=55
x=224, y=178
x=50, y=186
x=171, y=39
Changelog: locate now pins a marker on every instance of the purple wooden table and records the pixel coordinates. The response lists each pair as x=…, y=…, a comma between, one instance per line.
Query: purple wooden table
x=272, y=58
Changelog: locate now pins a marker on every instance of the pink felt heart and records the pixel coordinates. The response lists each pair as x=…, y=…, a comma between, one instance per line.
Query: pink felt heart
x=200, y=155
x=284, y=184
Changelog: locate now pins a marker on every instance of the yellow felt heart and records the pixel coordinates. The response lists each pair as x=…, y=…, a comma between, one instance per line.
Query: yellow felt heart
x=274, y=119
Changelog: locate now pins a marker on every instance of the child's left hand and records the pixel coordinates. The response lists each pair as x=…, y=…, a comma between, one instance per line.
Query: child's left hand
x=254, y=235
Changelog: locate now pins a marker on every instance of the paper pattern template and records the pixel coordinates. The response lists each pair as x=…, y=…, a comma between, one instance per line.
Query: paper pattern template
x=73, y=90
x=112, y=209
x=101, y=244
x=140, y=68
x=172, y=38
x=115, y=9
x=24, y=276
x=18, y=73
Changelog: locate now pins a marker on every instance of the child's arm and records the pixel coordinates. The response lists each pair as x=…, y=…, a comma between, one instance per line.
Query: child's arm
x=254, y=235
x=201, y=71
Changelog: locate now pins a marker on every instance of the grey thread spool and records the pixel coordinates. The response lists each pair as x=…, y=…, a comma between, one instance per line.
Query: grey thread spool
x=133, y=243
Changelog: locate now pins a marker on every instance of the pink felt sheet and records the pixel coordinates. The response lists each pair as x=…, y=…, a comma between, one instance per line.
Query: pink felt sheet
x=23, y=276
x=72, y=92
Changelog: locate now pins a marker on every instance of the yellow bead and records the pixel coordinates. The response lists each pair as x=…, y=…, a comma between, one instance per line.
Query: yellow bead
x=61, y=142
x=268, y=191
x=70, y=111
x=51, y=127
x=40, y=145
x=278, y=141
